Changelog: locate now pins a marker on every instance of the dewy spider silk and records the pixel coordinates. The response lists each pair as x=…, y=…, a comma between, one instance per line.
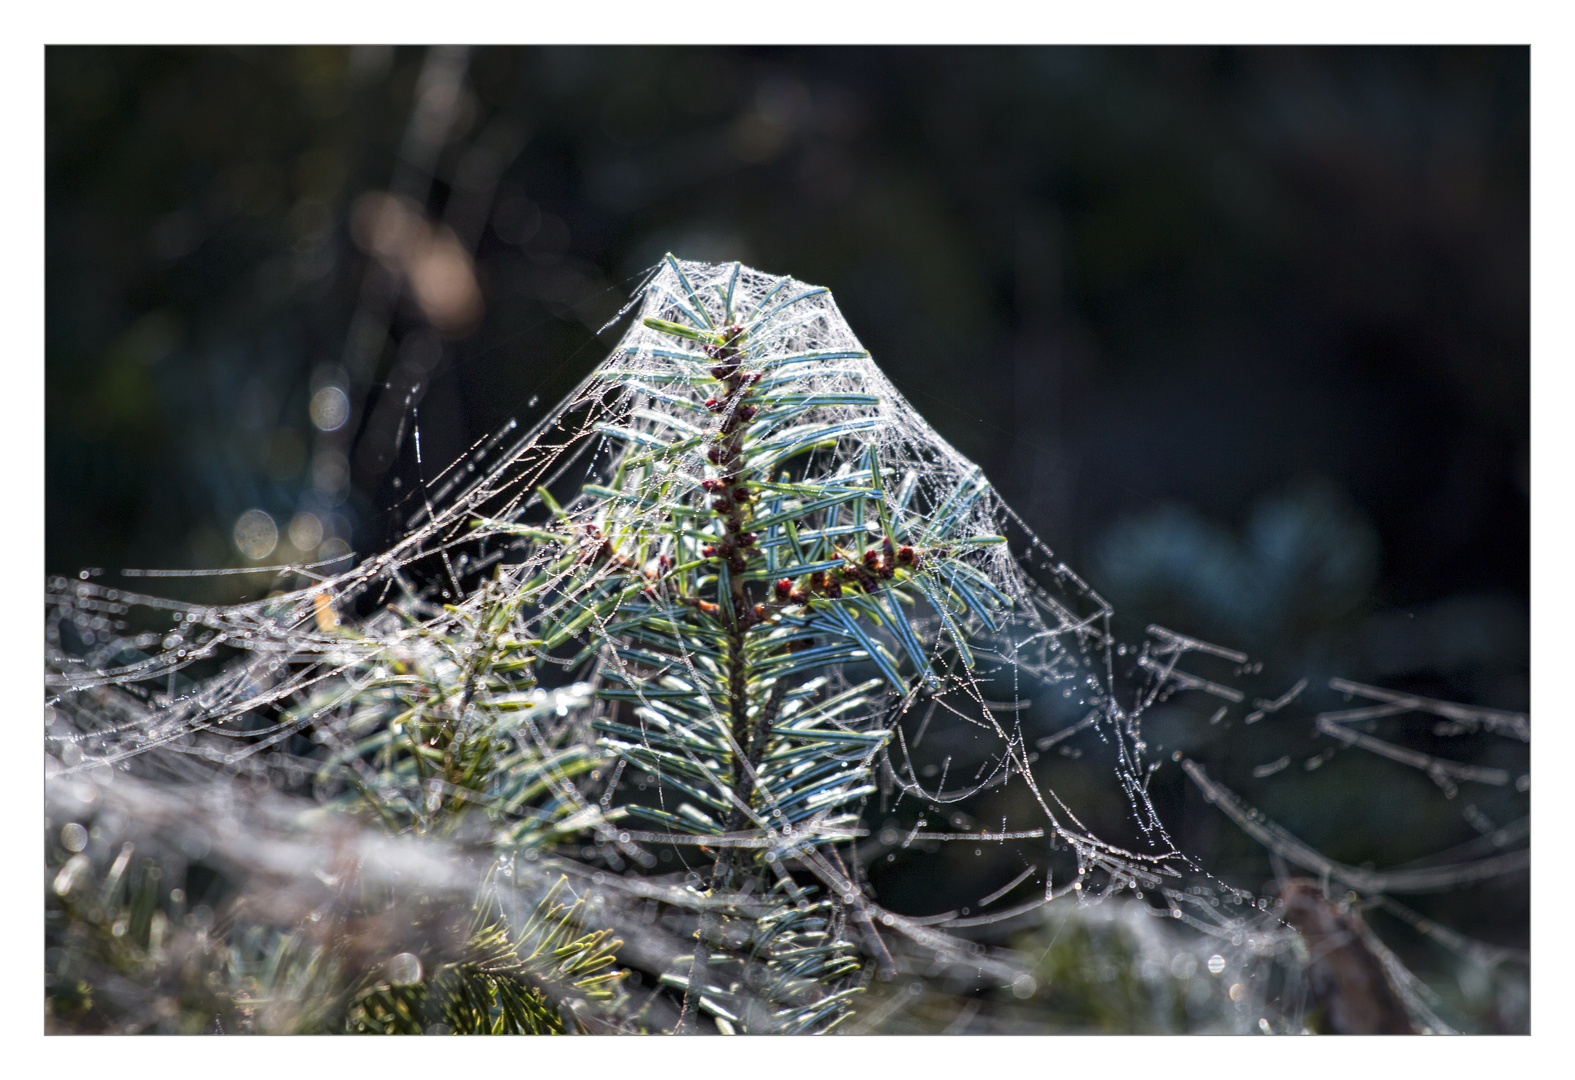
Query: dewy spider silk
x=735, y=643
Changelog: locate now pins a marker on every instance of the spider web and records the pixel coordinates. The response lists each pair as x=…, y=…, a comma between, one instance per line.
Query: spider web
x=988, y=733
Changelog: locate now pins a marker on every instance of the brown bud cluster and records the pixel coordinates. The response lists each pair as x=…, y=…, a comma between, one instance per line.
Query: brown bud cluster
x=741, y=415
x=824, y=584
x=866, y=572
x=729, y=495
x=874, y=565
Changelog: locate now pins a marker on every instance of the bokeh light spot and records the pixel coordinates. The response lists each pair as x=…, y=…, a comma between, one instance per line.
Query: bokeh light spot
x=305, y=531
x=256, y=534
x=330, y=408
x=404, y=969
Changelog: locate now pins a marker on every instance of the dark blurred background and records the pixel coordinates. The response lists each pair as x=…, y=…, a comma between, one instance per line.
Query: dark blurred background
x=1241, y=333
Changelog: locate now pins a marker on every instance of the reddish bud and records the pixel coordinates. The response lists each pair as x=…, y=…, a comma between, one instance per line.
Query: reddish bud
x=905, y=556
x=722, y=506
x=784, y=588
x=708, y=551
